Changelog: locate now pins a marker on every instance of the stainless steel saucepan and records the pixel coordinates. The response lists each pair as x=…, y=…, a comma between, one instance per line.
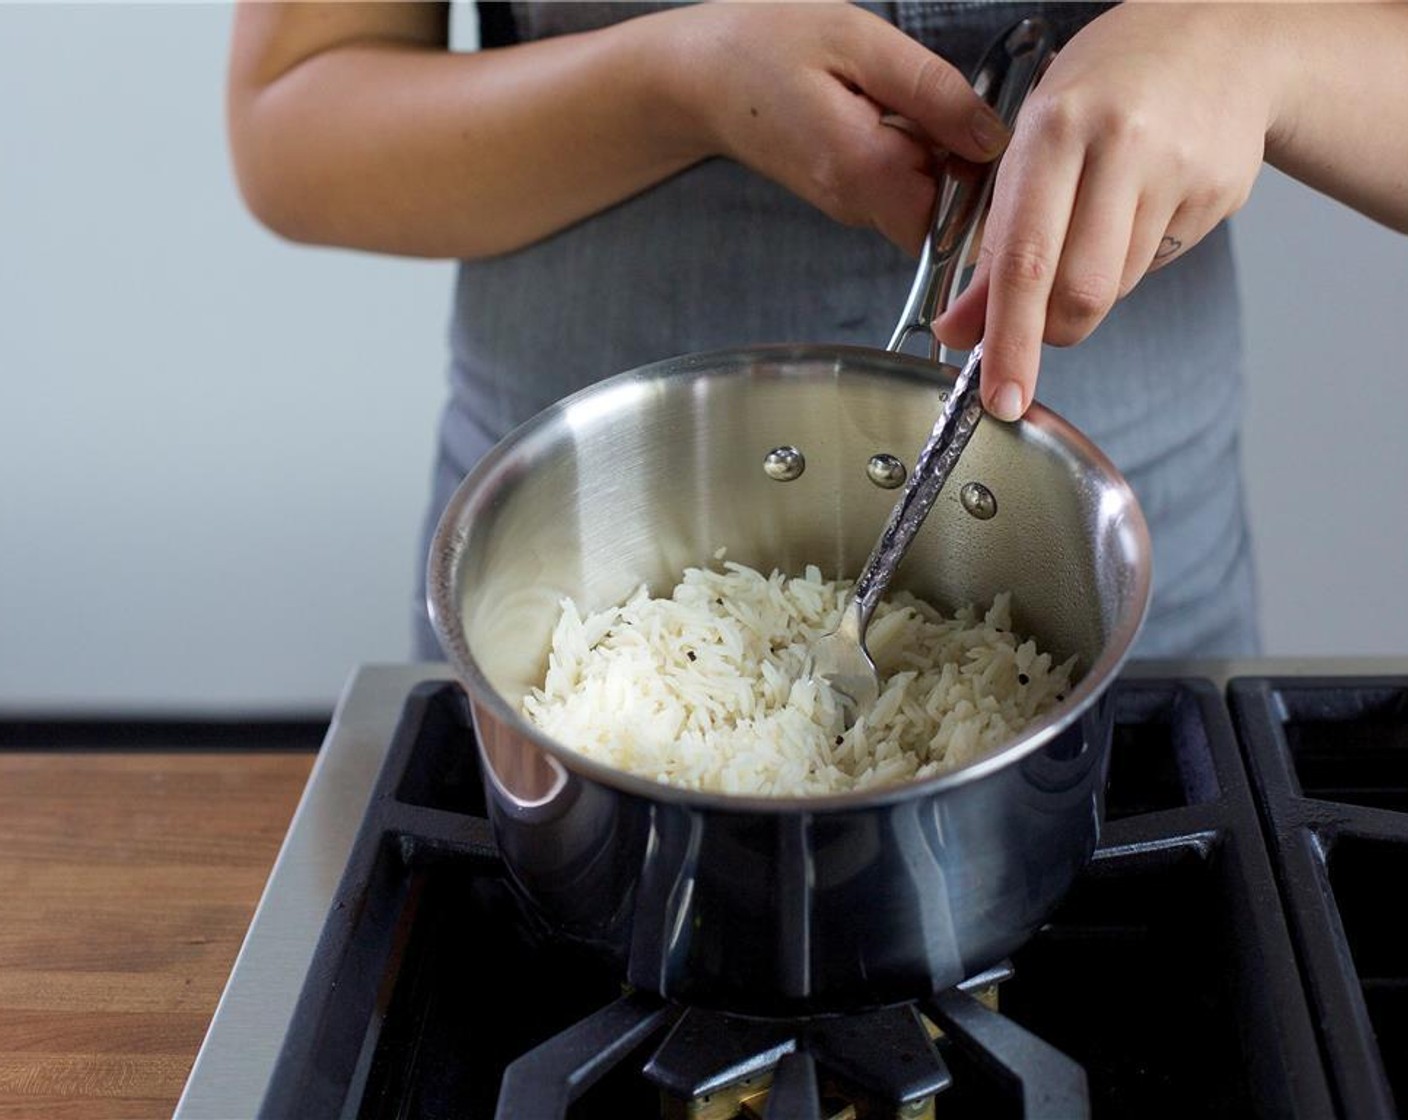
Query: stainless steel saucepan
x=791, y=905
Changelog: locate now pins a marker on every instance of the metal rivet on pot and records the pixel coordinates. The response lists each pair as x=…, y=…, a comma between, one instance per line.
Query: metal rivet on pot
x=885, y=471
x=978, y=500
x=783, y=464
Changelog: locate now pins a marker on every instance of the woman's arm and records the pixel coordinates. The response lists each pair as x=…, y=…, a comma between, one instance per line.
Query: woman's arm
x=1148, y=130
x=352, y=124
x=1342, y=120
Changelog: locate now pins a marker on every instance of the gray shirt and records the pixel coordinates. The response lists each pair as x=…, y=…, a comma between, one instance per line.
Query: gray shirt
x=715, y=256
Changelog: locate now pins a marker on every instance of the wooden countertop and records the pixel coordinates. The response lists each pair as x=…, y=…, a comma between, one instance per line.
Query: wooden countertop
x=127, y=881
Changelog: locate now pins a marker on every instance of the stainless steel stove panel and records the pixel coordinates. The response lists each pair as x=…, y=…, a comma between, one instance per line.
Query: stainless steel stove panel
x=234, y=1064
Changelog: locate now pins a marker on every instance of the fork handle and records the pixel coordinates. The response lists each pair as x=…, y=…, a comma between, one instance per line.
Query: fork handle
x=954, y=427
x=1004, y=77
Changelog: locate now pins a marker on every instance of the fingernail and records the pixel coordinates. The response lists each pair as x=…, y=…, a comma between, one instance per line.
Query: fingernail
x=1006, y=401
x=988, y=130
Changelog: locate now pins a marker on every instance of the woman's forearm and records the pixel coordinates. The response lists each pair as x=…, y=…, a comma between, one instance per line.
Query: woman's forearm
x=352, y=127
x=1341, y=123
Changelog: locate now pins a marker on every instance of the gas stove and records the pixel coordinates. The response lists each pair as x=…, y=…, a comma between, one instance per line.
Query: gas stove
x=1233, y=949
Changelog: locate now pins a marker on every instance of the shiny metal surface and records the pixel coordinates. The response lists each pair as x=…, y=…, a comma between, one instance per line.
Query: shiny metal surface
x=1004, y=77
x=236, y=1060
x=783, y=464
x=886, y=471
x=841, y=657
x=977, y=499
x=784, y=904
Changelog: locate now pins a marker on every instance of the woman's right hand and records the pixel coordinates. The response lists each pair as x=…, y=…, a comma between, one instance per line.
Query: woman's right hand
x=798, y=92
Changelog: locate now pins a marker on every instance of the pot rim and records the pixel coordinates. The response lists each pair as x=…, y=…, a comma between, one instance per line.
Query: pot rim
x=442, y=590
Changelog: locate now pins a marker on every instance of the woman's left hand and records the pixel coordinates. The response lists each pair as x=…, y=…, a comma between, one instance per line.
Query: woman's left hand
x=1147, y=130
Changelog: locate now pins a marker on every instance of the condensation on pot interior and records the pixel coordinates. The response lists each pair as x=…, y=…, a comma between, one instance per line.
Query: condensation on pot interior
x=783, y=464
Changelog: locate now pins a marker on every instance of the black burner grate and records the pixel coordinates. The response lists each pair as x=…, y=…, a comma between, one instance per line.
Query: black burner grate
x=1168, y=976
x=1330, y=761
x=886, y=1056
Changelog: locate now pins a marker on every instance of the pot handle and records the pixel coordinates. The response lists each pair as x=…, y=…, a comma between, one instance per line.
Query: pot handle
x=1004, y=77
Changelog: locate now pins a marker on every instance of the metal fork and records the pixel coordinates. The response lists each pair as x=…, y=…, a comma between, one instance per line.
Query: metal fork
x=1006, y=75
x=840, y=658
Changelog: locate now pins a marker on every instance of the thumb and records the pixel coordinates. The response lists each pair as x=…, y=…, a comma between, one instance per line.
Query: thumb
x=906, y=78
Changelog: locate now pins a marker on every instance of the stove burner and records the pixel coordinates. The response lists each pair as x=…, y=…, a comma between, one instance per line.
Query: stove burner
x=715, y=1066
x=1050, y=1083
x=546, y=1080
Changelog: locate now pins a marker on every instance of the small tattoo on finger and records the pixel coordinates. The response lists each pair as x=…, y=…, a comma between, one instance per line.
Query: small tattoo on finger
x=1167, y=247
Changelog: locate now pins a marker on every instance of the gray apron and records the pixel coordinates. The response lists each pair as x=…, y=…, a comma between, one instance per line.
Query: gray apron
x=715, y=256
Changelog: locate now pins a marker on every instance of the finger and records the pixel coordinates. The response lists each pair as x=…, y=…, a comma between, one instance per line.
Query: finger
x=1027, y=226
x=1169, y=247
x=895, y=184
x=902, y=212
x=904, y=198
x=961, y=325
x=1188, y=225
x=911, y=80
x=1089, y=277
x=1162, y=235
x=1149, y=237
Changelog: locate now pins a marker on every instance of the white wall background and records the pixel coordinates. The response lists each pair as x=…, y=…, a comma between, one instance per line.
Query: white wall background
x=214, y=447
x=1325, y=294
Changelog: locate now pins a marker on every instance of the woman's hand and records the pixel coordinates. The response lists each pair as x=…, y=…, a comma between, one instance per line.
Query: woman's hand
x=798, y=92
x=1146, y=132
x=352, y=125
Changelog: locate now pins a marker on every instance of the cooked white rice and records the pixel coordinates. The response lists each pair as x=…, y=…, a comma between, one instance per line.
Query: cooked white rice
x=709, y=688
